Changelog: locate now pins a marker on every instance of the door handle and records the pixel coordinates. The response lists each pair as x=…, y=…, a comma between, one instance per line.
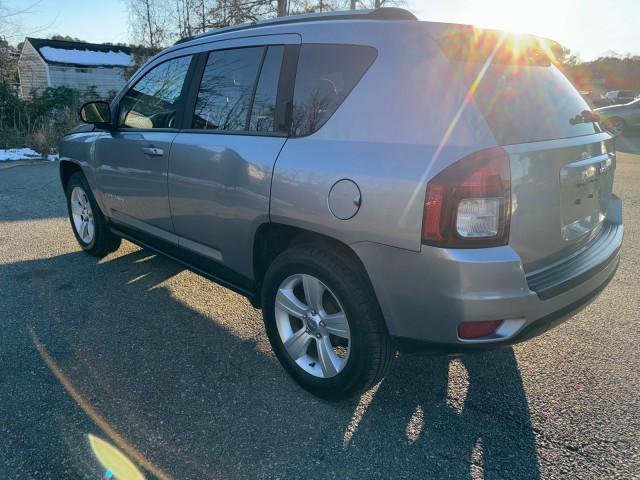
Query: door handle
x=153, y=151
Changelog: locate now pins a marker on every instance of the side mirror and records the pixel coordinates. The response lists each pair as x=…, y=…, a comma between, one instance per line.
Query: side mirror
x=97, y=113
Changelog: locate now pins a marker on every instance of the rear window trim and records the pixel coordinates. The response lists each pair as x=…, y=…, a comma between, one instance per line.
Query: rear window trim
x=234, y=132
x=551, y=139
x=515, y=148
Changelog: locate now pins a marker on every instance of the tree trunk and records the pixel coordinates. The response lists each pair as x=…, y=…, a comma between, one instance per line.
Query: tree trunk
x=353, y=5
x=377, y=4
x=282, y=8
x=187, y=17
x=149, y=23
x=204, y=17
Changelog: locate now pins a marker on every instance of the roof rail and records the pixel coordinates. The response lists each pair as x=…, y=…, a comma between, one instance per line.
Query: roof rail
x=385, y=13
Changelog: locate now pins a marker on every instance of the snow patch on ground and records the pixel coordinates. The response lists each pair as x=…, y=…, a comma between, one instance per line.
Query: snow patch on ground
x=86, y=57
x=23, y=154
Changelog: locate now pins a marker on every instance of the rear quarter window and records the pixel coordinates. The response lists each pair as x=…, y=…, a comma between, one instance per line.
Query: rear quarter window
x=326, y=74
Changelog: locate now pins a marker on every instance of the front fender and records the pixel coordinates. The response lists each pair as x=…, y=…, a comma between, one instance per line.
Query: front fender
x=77, y=151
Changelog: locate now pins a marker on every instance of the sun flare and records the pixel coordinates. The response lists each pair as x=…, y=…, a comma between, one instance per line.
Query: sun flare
x=548, y=18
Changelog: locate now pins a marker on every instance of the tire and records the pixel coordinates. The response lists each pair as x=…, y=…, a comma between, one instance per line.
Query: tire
x=616, y=126
x=369, y=350
x=95, y=238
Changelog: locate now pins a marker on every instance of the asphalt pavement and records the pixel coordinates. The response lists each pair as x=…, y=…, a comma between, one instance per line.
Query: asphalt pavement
x=176, y=373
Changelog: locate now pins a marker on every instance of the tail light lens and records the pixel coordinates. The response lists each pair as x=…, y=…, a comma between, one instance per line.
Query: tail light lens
x=468, y=205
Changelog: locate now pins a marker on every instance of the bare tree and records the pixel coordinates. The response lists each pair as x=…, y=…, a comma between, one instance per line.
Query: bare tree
x=149, y=21
x=192, y=16
x=8, y=54
x=8, y=63
x=10, y=29
x=311, y=6
x=155, y=23
x=380, y=3
x=282, y=8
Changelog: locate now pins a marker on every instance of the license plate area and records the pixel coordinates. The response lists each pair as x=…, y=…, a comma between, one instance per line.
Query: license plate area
x=586, y=187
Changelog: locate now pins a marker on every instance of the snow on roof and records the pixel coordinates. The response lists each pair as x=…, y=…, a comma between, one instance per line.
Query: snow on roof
x=86, y=57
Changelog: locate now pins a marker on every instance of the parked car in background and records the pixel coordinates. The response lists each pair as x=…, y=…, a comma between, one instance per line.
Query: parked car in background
x=619, y=119
x=619, y=97
x=595, y=100
x=265, y=157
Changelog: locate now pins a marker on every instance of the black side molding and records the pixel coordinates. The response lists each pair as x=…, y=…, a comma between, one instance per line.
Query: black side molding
x=194, y=262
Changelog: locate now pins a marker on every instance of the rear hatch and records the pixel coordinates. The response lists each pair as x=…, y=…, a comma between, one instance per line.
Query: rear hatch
x=561, y=165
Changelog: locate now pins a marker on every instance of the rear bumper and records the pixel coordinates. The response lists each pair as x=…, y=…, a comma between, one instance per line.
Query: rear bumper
x=533, y=329
x=425, y=295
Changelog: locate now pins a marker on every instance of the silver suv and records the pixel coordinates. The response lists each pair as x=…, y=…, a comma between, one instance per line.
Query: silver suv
x=373, y=183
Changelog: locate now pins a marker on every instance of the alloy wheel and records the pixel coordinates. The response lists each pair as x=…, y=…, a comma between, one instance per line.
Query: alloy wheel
x=82, y=215
x=312, y=325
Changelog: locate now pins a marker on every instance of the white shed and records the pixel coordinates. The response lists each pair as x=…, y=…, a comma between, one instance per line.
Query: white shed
x=78, y=65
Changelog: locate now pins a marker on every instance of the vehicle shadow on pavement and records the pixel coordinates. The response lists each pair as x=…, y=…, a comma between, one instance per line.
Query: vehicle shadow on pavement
x=198, y=393
x=455, y=417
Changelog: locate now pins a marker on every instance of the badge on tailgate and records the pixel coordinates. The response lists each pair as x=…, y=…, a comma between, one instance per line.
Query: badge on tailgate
x=586, y=188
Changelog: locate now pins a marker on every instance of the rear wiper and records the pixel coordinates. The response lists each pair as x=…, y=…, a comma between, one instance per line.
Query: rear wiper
x=586, y=116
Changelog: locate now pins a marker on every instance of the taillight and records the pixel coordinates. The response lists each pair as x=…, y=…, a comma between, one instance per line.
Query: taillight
x=468, y=204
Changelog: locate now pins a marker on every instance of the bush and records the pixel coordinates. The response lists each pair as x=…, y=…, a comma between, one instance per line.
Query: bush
x=39, y=123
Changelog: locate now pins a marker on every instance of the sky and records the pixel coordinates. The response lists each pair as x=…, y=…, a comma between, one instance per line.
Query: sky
x=589, y=28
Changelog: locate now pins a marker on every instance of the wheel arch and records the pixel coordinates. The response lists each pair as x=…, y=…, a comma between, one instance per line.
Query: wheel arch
x=69, y=167
x=66, y=169
x=271, y=239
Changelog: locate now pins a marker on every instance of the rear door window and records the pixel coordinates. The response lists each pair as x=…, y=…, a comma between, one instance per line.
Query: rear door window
x=226, y=89
x=263, y=110
x=326, y=75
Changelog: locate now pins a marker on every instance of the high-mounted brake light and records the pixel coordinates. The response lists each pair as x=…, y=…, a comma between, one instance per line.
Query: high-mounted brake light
x=468, y=204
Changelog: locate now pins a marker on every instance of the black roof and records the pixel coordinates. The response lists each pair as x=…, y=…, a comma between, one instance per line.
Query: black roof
x=38, y=43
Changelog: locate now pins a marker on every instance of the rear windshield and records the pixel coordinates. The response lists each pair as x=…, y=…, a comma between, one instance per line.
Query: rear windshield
x=522, y=95
x=525, y=104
